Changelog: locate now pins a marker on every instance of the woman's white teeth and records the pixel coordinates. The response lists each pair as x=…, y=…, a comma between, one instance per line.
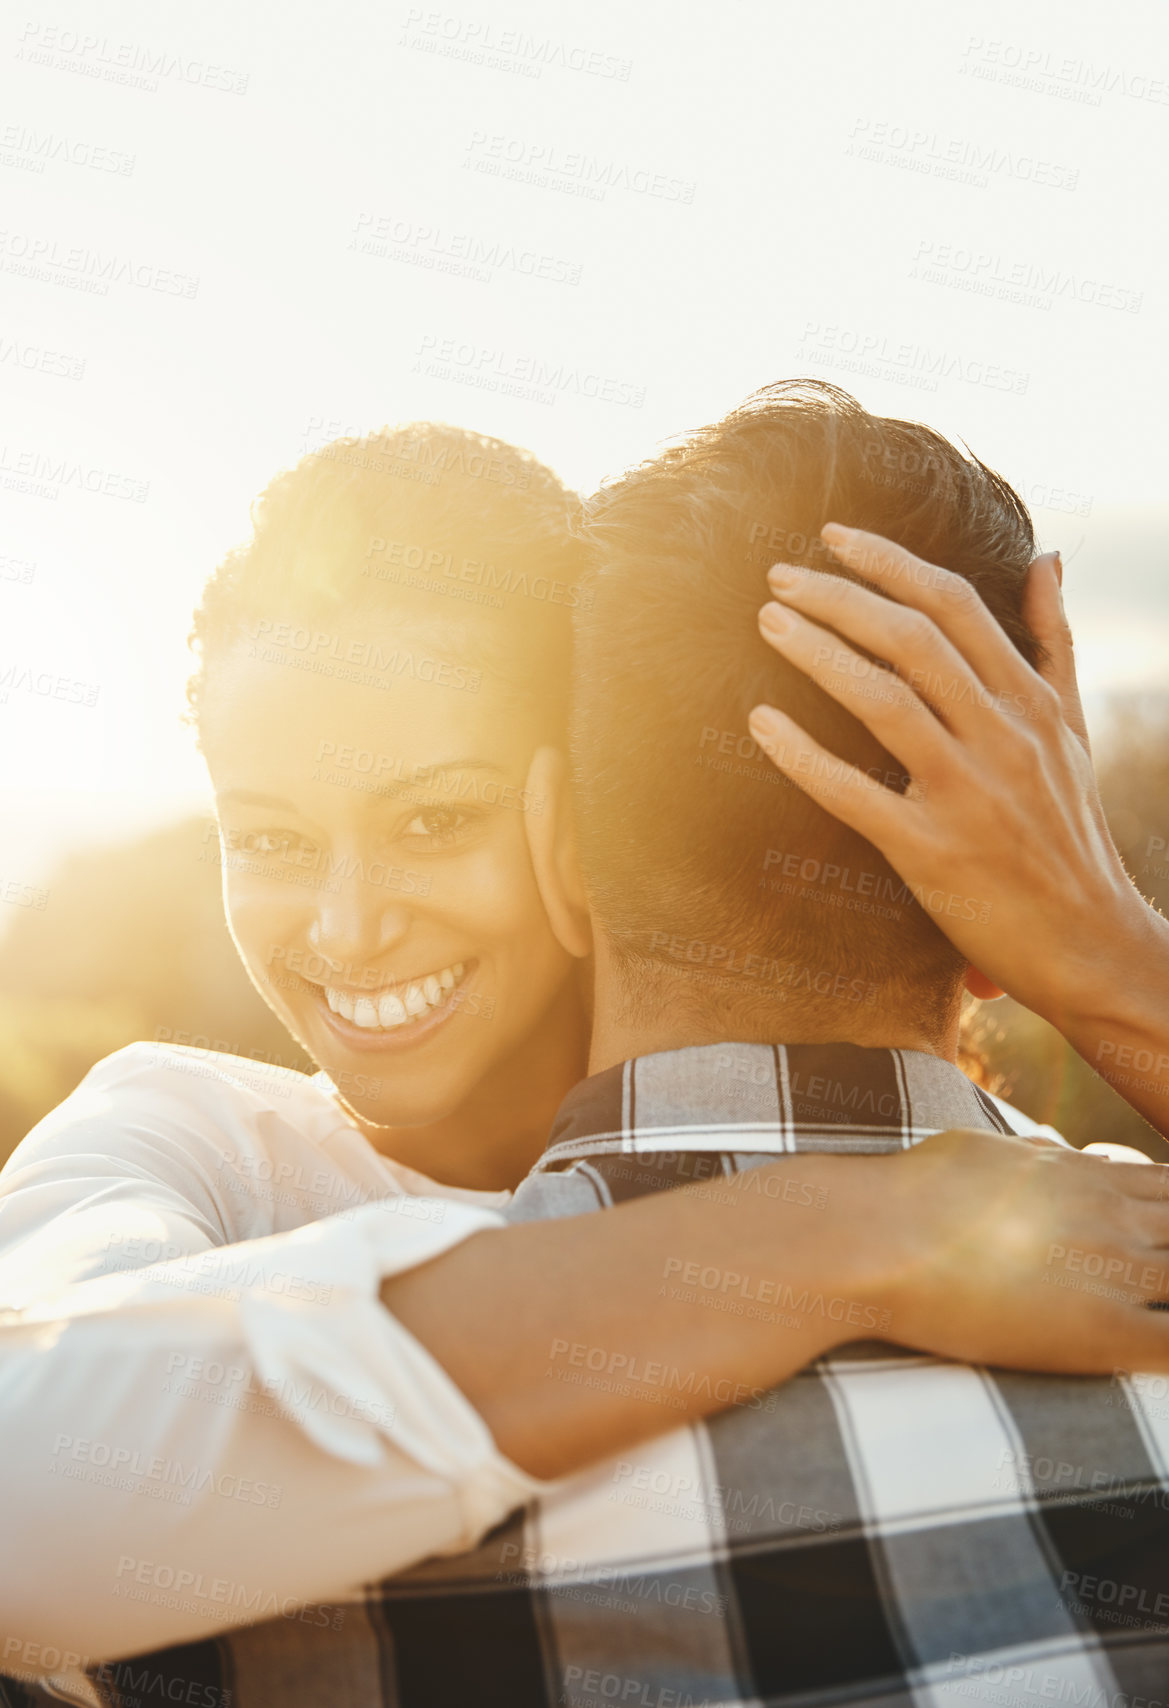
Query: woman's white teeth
x=395, y=1008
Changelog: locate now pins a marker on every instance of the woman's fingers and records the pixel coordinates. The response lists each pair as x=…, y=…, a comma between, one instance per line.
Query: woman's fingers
x=874, y=694
x=854, y=796
x=908, y=639
x=950, y=600
x=1044, y=614
x=1119, y=1153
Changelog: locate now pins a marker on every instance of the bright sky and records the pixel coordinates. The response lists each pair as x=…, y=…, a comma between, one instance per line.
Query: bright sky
x=583, y=228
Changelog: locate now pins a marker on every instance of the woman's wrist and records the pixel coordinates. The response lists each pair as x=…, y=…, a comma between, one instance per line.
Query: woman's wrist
x=1114, y=1011
x=1116, y=984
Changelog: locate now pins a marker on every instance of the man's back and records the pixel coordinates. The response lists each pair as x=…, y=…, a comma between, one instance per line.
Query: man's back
x=883, y=1528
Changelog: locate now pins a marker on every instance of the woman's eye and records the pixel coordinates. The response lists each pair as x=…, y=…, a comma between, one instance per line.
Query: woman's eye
x=437, y=824
x=284, y=844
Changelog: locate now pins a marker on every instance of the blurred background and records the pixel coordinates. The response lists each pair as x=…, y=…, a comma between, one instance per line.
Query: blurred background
x=231, y=235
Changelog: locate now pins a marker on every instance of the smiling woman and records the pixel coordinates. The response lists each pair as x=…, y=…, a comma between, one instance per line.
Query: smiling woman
x=381, y=701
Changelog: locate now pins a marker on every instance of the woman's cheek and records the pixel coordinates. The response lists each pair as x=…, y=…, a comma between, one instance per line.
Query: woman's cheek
x=258, y=921
x=493, y=891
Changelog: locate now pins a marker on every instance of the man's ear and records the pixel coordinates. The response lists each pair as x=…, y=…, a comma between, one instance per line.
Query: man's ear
x=551, y=834
x=980, y=986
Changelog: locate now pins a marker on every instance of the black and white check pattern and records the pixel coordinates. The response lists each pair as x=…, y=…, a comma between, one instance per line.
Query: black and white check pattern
x=884, y=1529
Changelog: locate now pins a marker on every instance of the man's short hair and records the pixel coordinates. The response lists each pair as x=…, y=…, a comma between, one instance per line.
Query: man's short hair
x=696, y=850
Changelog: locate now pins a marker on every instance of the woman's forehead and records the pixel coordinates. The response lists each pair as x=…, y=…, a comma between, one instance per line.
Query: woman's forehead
x=290, y=705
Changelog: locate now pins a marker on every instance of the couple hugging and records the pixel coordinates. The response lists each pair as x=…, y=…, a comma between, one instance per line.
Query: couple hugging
x=338, y=1389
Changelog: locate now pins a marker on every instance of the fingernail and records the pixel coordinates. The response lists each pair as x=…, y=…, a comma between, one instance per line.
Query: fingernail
x=776, y=620
x=784, y=574
x=835, y=528
x=1057, y=564
x=766, y=727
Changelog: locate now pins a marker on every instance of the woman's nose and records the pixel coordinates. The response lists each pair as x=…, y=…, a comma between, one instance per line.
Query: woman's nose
x=352, y=928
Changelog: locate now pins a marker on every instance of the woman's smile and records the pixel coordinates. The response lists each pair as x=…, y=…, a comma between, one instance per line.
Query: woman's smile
x=398, y=1016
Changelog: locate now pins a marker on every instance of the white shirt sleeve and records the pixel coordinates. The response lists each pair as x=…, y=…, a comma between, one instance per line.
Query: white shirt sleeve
x=209, y=1440
x=1024, y=1125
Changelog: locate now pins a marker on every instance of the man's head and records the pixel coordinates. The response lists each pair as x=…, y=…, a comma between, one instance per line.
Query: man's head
x=715, y=883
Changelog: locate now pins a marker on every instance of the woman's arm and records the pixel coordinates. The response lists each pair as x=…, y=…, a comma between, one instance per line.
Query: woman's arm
x=218, y=1439
x=1002, y=833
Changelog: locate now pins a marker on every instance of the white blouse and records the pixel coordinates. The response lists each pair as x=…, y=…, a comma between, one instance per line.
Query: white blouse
x=196, y=1370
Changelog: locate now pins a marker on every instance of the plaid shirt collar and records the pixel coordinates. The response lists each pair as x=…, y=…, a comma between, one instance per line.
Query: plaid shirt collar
x=779, y=1097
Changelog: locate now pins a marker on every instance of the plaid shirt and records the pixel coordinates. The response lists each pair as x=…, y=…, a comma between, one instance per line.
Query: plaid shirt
x=883, y=1529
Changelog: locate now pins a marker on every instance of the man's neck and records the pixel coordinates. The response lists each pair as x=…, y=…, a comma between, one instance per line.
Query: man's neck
x=680, y=1011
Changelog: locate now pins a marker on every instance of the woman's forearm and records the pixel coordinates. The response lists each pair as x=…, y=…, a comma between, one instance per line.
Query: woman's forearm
x=1116, y=1015
x=578, y=1337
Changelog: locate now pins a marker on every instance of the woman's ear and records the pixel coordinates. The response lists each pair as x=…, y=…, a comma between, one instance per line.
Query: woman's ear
x=551, y=834
x=980, y=986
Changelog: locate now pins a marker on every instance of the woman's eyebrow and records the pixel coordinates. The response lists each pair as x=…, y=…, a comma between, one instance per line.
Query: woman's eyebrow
x=248, y=798
x=462, y=765
x=251, y=798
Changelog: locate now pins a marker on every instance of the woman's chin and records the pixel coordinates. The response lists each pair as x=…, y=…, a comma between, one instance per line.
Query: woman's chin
x=379, y=1112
